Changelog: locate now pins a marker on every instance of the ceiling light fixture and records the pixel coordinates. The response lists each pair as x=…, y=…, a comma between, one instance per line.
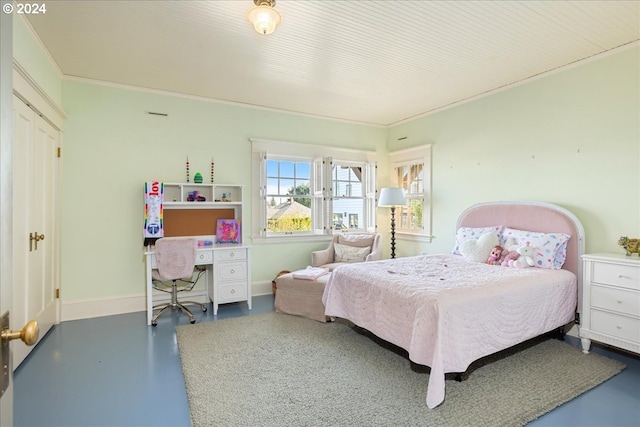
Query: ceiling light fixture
x=264, y=17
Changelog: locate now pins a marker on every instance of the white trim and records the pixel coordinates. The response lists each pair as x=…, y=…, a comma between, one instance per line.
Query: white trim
x=524, y=81
x=413, y=237
x=302, y=150
x=90, y=308
x=30, y=92
x=100, y=307
x=216, y=101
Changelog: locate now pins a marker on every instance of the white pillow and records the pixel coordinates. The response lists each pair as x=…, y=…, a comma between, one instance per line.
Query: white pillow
x=346, y=253
x=467, y=233
x=550, y=249
x=478, y=250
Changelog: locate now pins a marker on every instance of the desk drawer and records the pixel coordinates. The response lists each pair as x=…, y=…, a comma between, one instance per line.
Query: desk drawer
x=230, y=254
x=617, y=275
x=618, y=326
x=204, y=257
x=620, y=300
x=233, y=292
x=228, y=271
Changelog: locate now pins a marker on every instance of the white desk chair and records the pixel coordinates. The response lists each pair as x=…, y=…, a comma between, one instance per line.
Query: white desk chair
x=176, y=260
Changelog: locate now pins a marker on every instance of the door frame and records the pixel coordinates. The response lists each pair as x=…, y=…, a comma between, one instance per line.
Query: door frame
x=6, y=191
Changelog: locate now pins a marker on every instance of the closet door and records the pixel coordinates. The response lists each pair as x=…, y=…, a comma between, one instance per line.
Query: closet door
x=35, y=190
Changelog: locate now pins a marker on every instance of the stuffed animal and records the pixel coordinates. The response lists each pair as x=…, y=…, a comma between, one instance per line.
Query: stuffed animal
x=510, y=258
x=497, y=255
x=524, y=259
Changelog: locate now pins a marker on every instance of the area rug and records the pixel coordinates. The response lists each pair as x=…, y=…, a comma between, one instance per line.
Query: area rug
x=273, y=369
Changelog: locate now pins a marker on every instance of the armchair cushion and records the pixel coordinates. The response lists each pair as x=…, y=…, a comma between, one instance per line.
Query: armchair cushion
x=346, y=253
x=328, y=257
x=356, y=240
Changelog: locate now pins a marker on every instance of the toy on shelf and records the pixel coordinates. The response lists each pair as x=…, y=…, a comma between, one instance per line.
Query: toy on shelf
x=629, y=245
x=194, y=196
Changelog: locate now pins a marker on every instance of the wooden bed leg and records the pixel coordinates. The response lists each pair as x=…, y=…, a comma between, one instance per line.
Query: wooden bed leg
x=560, y=334
x=459, y=377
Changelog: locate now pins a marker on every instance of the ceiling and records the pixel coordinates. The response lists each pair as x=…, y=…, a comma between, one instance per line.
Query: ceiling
x=375, y=62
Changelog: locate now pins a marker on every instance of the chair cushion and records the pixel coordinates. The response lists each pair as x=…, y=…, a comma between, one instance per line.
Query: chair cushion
x=348, y=253
x=357, y=240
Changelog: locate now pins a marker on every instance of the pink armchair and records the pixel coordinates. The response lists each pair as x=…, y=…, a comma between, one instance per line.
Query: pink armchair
x=348, y=247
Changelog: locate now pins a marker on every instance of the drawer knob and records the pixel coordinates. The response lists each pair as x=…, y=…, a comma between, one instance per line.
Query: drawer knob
x=232, y=254
x=233, y=291
x=619, y=327
x=233, y=271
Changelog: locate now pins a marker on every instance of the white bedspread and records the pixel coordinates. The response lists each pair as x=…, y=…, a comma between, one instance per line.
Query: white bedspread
x=448, y=312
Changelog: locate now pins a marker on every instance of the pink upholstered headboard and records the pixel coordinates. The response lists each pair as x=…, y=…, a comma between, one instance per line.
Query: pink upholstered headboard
x=532, y=216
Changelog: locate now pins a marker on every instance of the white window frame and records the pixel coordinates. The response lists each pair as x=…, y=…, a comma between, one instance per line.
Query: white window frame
x=321, y=159
x=414, y=156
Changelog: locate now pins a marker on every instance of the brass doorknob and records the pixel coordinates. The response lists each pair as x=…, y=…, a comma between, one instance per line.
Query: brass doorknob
x=28, y=334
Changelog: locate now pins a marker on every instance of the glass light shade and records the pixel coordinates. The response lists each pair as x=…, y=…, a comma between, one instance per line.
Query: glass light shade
x=392, y=196
x=264, y=18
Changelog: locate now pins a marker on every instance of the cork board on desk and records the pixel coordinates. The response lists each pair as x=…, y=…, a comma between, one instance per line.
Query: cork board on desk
x=194, y=222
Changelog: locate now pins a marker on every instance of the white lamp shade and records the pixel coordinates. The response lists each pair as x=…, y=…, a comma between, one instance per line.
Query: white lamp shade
x=264, y=18
x=392, y=196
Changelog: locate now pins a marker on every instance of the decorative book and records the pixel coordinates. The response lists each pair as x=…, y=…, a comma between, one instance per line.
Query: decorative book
x=228, y=231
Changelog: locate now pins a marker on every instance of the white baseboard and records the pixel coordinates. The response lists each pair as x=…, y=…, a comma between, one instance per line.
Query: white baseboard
x=90, y=308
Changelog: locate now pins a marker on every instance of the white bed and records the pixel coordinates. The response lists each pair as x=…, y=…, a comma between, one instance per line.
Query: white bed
x=448, y=312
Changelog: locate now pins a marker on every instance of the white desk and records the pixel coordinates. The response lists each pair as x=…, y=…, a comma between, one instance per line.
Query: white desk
x=228, y=276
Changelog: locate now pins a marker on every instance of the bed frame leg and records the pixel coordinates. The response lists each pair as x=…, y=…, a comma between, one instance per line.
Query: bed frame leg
x=560, y=334
x=459, y=377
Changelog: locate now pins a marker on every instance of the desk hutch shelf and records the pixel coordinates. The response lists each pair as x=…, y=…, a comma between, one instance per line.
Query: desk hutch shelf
x=228, y=277
x=176, y=195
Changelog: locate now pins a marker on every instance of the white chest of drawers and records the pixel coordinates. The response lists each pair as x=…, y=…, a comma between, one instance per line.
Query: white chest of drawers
x=611, y=301
x=230, y=276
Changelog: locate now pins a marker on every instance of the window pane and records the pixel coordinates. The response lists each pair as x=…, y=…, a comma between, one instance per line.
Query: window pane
x=411, y=216
x=303, y=170
x=288, y=201
x=347, y=181
x=348, y=214
x=415, y=179
x=287, y=169
x=286, y=186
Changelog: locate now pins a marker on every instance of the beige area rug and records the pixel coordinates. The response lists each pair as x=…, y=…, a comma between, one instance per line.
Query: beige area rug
x=273, y=369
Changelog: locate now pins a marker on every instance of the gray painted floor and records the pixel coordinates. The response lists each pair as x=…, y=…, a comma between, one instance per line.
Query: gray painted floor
x=116, y=371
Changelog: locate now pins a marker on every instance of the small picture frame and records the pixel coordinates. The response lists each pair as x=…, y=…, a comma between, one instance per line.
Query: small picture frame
x=227, y=231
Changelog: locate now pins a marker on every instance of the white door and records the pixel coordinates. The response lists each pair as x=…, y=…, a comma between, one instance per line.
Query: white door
x=35, y=166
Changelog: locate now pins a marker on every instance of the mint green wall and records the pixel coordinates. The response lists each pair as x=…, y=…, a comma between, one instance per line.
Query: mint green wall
x=571, y=138
x=112, y=147
x=30, y=55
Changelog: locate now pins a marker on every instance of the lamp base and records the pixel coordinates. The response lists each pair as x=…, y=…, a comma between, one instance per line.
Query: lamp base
x=393, y=232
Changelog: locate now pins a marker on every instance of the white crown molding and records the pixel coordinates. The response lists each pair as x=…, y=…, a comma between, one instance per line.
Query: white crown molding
x=26, y=88
x=527, y=80
x=212, y=100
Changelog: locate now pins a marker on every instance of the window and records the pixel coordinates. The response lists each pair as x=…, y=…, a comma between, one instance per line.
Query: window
x=412, y=171
x=304, y=191
x=288, y=196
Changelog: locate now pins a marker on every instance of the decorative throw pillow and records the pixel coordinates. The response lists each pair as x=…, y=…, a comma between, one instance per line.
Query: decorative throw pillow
x=345, y=253
x=550, y=248
x=354, y=239
x=478, y=250
x=468, y=233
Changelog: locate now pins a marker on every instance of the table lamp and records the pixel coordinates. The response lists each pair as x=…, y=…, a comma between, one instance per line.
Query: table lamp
x=392, y=197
